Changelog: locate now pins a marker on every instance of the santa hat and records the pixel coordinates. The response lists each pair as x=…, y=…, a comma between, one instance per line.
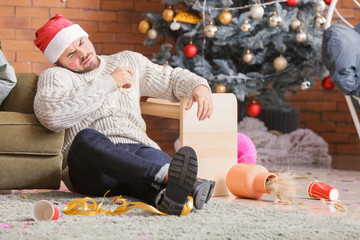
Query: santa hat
x=56, y=35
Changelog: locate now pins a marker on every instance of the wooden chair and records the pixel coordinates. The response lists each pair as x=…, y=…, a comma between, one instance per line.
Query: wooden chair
x=330, y=13
x=214, y=139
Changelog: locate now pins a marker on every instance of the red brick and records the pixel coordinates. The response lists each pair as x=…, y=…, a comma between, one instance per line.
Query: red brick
x=335, y=137
x=37, y=23
x=117, y=5
x=106, y=16
x=345, y=127
x=85, y=4
x=320, y=106
x=321, y=126
x=48, y=3
x=25, y=34
x=100, y=37
x=7, y=11
x=115, y=48
x=6, y=33
x=14, y=22
x=30, y=57
x=21, y=67
x=130, y=38
x=10, y=55
x=114, y=27
x=40, y=67
x=32, y=12
x=315, y=96
x=348, y=148
x=346, y=4
x=17, y=45
x=89, y=26
x=307, y=116
x=149, y=6
x=70, y=13
x=337, y=117
x=15, y=3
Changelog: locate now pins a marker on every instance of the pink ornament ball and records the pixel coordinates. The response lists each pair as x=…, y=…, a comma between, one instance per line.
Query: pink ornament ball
x=246, y=149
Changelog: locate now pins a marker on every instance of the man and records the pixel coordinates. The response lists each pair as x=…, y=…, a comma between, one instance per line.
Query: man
x=7, y=77
x=96, y=99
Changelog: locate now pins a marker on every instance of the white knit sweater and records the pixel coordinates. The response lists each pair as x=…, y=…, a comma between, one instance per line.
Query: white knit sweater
x=73, y=101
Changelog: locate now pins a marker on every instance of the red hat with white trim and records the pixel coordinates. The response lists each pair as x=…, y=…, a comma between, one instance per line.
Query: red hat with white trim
x=56, y=35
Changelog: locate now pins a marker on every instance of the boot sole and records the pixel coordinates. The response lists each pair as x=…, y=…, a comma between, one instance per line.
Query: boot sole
x=181, y=179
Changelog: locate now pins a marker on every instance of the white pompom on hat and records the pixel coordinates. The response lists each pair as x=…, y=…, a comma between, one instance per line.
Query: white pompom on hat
x=56, y=35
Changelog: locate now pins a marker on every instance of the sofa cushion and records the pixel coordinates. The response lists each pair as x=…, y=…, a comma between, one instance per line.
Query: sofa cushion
x=341, y=56
x=30, y=172
x=21, y=97
x=22, y=133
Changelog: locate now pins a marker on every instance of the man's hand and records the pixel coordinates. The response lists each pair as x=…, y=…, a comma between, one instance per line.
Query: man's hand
x=123, y=77
x=202, y=95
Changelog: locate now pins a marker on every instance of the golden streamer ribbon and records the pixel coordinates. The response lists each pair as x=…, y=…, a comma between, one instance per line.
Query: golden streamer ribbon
x=187, y=17
x=84, y=207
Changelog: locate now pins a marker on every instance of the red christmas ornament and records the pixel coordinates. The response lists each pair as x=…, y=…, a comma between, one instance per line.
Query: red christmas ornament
x=327, y=83
x=291, y=3
x=253, y=109
x=328, y=2
x=190, y=50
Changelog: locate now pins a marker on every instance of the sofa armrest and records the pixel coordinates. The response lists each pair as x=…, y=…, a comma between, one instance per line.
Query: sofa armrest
x=21, y=97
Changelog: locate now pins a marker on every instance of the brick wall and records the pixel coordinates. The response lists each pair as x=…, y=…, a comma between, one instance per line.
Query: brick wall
x=113, y=27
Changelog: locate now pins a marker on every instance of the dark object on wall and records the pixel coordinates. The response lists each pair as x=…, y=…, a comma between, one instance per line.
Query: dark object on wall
x=282, y=120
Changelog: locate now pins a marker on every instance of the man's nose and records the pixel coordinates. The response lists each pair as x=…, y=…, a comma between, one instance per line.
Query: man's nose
x=81, y=52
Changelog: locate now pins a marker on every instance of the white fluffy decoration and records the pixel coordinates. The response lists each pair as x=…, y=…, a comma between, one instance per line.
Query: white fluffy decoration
x=302, y=146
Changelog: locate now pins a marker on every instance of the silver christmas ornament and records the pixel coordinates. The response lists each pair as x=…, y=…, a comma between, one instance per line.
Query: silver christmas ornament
x=295, y=24
x=305, y=85
x=210, y=30
x=152, y=34
x=246, y=26
x=301, y=36
x=320, y=21
x=174, y=26
x=320, y=5
x=275, y=20
x=257, y=11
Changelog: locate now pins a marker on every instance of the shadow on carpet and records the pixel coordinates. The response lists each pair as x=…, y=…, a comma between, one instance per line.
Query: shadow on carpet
x=217, y=220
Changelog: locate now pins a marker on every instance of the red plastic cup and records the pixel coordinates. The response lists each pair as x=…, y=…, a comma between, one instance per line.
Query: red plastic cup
x=322, y=190
x=44, y=210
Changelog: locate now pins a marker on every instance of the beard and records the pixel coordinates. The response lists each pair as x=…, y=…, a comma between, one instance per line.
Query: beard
x=92, y=65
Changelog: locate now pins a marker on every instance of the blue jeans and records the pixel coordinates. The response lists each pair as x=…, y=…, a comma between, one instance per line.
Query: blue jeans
x=97, y=165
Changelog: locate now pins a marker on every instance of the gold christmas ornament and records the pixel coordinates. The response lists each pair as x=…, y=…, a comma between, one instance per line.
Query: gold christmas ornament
x=246, y=26
x=295, y=24
x=280, y=63
x=320, y=21
x=275, y=20
x=257, y=11
x=301, y=36
x=248, y=57
x=210, y=30
x=225, y=17
x=186, y=17
x=152, y=34
x=144, y=26
x=220, y=88
x=168, y=14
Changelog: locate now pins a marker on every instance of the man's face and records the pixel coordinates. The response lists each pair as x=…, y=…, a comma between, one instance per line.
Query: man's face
x=79, y=57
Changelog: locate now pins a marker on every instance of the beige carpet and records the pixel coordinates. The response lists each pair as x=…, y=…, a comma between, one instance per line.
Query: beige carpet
x=218, y=220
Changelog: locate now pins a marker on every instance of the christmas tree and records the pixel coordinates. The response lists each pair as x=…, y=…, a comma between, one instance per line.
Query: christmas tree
x=258, y=50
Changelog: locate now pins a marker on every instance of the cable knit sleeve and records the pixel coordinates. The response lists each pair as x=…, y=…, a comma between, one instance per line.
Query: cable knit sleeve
x=63, y=98
x=164, y=81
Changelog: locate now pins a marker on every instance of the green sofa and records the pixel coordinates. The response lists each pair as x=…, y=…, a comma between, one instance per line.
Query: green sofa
x=30, y=154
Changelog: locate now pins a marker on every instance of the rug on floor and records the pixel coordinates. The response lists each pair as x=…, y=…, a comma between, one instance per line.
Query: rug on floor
x=217, y=220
